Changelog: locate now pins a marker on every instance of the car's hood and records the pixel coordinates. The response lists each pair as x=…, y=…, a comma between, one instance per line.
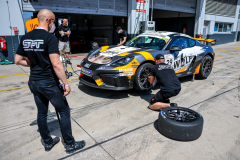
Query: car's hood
x=107, y=56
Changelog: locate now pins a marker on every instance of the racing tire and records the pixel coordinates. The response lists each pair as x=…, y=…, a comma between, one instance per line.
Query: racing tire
x=187, y=128
x=206, y=67
x=141, y=80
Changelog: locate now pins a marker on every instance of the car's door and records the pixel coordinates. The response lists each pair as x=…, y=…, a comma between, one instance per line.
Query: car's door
x=180, y=60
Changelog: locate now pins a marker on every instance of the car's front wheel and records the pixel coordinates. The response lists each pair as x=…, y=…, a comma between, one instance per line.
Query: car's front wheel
x=141, y=78
x=206, y=67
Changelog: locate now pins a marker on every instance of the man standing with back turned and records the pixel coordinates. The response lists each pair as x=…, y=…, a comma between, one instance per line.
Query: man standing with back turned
x=41, y=48
x=169, y=84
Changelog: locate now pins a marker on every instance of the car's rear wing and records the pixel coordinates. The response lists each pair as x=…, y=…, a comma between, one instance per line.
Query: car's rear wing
x=212, y=41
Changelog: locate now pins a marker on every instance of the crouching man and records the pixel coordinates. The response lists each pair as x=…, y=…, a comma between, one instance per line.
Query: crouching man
x=169, y=84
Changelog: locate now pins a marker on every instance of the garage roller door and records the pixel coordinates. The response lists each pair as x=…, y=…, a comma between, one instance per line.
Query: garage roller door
x=187, y=6
x=97, y=7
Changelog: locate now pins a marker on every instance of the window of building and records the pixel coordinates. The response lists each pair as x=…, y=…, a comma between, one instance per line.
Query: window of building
x=222, y=27
x=221, y=7
x=239, y=14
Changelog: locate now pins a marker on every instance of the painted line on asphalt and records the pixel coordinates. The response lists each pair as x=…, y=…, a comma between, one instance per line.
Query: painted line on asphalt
x=77, y=56
x=226, y=49
x=12, y=89
x=14, y=75
x=228, y=55
x=22, y=74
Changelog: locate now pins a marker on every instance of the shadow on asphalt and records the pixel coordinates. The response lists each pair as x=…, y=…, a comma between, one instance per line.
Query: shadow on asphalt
x=155, y=125
x=110, y=94
x=52, y=126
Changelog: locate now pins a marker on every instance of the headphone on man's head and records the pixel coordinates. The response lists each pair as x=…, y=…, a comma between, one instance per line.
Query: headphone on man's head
x=62, y=21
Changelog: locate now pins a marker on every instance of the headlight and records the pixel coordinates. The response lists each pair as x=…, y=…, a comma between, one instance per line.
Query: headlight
x=122, y=62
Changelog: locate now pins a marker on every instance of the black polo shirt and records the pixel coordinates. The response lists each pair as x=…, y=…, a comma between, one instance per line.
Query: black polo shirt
x=37, y=45
x=64, y=29
x=123, y=34
x=166, y=77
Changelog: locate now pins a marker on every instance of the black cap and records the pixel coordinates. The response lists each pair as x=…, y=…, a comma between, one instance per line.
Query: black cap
x=95, y=45
x=159, y=56
x=118, y=28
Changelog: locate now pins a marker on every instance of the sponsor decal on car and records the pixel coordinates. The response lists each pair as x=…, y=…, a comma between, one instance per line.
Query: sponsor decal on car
x=126, y=70
x=87, y=72
x=87, y=65
x=105, y=57
x=126, y=74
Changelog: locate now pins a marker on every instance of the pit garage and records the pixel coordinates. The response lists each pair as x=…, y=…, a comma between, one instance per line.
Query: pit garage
x=94, y=20
x=174, y=15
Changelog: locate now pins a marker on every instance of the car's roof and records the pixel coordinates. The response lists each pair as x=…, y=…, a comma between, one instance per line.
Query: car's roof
x=163, y=34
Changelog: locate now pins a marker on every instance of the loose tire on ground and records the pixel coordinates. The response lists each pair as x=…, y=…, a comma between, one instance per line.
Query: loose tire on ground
x=206, y=67
x=140, y=75
x=179, y=129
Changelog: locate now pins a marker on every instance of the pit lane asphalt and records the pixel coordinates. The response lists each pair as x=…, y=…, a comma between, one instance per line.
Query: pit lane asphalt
x=118, y=125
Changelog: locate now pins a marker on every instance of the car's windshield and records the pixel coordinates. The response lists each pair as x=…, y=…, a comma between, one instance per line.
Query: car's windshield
x=147, y=42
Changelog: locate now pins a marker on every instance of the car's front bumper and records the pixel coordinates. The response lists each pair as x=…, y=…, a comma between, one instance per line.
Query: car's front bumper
x=107, y=78
x=103, y=86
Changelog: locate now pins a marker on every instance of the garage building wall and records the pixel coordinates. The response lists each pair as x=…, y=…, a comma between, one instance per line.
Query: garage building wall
x=186, y=6
x=11, y=16
x=210, y=12
x=94, y=7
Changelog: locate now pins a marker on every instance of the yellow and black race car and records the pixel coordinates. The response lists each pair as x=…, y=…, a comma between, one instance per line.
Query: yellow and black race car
x=127, y=66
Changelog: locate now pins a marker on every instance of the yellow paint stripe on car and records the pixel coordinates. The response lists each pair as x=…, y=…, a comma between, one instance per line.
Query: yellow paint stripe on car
x=104, y=48
x=181, y=70
x=99, y=82
x=147, y=55
x=197, y=69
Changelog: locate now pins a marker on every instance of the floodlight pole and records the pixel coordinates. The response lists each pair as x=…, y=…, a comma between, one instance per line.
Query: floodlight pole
x=152, y=11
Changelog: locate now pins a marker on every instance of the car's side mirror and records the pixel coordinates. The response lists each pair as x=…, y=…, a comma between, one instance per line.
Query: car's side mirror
x=175, y=48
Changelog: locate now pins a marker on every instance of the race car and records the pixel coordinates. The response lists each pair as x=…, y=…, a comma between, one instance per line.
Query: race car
x=128, y=66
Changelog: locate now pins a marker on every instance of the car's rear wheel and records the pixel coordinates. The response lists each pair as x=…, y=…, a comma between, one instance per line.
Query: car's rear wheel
x=206, y=67
x=141, y=78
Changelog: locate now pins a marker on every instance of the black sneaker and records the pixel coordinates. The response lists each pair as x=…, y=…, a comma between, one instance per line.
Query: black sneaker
x=76, y=146
x=48, y=147
x=173, y=105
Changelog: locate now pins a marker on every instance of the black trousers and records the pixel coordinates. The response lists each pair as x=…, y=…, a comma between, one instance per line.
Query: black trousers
x=43, y=92
x=163, y=96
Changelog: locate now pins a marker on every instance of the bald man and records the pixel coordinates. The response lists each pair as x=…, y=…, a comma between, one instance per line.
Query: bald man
x=41, y=48
x=64, y=33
